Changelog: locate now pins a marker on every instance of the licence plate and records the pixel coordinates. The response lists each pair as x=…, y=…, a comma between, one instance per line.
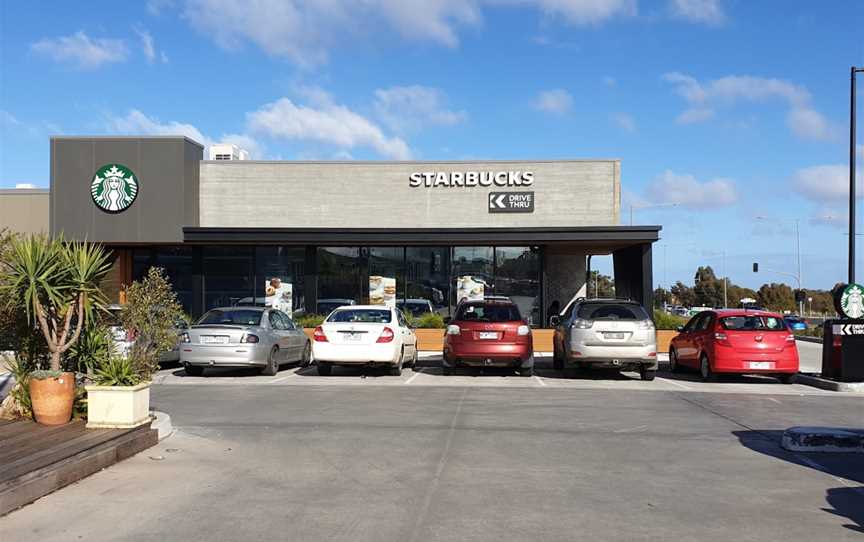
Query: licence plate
x=353, y=337
x=761, y=364
x=613, y=336
x=485, y=335
x=214, y=339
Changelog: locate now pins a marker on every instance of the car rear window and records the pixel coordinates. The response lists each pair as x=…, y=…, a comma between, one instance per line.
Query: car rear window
x=488, y=313
x=237, y=317
x=362, y=316
x=611, y=311
x=753, y=323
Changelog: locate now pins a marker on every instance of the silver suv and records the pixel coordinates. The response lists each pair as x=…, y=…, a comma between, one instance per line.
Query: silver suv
x=608, y=333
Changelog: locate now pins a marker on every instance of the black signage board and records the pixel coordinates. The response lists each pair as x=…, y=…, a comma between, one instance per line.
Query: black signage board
x=511, y=202
x=850, y=365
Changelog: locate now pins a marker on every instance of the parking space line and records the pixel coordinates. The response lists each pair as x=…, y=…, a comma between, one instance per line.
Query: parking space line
x=416, y=374
x=537, y=378
x=680, y=385
x=773, y=399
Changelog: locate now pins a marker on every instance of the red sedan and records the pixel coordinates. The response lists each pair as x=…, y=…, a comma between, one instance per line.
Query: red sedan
x=488, y=333
x=736, y=342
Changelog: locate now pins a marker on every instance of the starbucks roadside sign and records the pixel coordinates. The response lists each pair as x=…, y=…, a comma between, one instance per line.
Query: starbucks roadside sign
x=849, y=301
x=114, y=188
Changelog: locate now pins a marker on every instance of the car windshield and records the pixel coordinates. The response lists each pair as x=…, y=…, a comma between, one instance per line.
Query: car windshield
x=237, y=317
x=361, y=316
x=753, y=323
x=488, y=313
x=611, y=311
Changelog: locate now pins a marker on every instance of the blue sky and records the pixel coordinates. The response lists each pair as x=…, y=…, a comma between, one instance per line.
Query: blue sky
x=731, y=109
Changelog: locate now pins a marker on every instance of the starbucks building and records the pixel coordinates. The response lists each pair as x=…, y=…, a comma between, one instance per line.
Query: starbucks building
x=231, y=232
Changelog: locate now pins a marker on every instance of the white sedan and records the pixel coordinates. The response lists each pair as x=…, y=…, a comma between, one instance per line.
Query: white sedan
x=367, y=335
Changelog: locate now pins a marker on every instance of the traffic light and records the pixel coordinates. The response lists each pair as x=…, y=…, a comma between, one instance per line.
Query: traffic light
x=800, y=296
x=755, y=267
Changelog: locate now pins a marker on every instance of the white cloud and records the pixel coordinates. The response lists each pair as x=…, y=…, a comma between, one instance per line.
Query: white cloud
x=146, y=44
x=305, y=31
x=610, y=81
x=704, y=98
x=624, y=121
x=554, y=101
x=698, y=11
x=138, y=123
x=826, y=183
x=155, y=7
x=81, y=51
x=327, y=123
x=687, y=191
x=412, y=107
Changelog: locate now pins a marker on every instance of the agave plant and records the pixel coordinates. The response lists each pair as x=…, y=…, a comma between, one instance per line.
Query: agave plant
x=58, y=283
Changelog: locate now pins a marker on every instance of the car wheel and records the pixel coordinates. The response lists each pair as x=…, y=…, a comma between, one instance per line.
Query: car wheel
x=786, y=378
x=415, y=358
x=647, y=374
x=557, y=358
x=194, y=370
x=325, y=369
x=674, y=366
x=306, y=360
x=705, y=369
x=272, y=366
x=526, y=371
x=447, y=371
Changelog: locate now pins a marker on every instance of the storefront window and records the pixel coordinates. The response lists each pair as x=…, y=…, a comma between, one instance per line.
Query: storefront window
x=387, y=265
x=280, y=268
x=339, y=278
x=427, y=271
x=517, y=276
x=177, y=263
x=228, y=276
x=472, y=273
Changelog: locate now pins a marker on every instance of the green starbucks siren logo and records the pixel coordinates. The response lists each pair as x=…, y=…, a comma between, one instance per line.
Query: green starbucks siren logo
x=114, y=188
x=852, y=301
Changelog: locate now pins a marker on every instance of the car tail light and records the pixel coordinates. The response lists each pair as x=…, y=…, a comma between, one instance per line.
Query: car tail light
x=319, y=335
x=386, y=335
x=790, y=338
x=453, y=330
x=185, y=338
x=579, y=323
x=249, y=338
x=652, y=355
x=523, y=330
x=721, y=338
x=645, y=324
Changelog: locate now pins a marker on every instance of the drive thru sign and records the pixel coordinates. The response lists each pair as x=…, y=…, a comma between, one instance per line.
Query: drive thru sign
x=511, y=202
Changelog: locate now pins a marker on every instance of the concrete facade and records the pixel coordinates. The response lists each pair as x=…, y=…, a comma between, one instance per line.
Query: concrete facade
x=379, y=195
x=24, y=210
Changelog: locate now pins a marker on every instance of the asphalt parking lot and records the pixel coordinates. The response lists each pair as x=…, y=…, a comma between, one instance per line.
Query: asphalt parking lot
x=467, y=463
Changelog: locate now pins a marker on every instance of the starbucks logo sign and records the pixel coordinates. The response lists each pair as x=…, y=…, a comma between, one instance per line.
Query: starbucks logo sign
x=852, y=301
x=114, y=188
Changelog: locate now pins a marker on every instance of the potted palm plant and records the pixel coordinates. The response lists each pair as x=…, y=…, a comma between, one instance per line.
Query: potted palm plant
x=58, y=284
x=120, y=395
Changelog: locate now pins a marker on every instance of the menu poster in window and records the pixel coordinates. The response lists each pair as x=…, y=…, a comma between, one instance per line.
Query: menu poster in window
x=279, y=295
x=382, y=290
x=469, y=289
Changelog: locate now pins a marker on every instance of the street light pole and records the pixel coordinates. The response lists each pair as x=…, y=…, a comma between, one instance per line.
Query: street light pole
x=852, y=150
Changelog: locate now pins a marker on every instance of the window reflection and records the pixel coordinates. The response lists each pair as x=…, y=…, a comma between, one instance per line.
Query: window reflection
x=427, y=272
x=517, y=276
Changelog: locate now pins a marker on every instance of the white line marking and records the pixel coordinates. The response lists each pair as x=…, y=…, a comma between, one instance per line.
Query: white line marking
x=680, y=385
x=775, y=400
x=292, y=375
x=537, y=378
x=416, y=374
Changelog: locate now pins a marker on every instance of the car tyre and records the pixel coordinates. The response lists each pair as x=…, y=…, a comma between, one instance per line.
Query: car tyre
x=306, y=360
x=325, y=369
x=705, y=369
x=647, y=374
x=526, y=371
x=414, y=359
x=447, y=371
x=557, y=358
x=674, y=366
x=272, y=366
x=194, y=370
x=786, y=378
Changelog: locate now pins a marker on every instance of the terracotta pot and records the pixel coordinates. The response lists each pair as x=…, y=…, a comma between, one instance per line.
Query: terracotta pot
x=52, y=399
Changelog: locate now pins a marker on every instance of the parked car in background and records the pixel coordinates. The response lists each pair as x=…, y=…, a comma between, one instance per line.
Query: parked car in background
x=326, y=306
x=244, y=337
x=795, y=323
x=736, y=341
x=364, y=335
x=489, y=333
x=606, y=333
x=415, y=307
x=124, y=339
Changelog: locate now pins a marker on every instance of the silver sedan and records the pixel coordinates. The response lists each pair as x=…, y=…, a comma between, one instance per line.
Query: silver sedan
x=244, y=337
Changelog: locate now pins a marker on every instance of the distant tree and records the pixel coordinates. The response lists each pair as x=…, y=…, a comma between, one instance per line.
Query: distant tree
x=707, y=288
x=776, y=297
x=736, y=293
x=682, y=294
x=600, y=285
x=662, y=297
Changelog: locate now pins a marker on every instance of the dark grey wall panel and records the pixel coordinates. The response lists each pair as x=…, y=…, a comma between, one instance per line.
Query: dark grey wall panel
x=167, y=172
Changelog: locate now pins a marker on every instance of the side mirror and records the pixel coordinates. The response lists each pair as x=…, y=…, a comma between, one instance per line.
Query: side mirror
x=679, y=329
x=554, y=321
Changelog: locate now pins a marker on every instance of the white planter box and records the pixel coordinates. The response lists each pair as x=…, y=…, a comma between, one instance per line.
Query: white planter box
x=118, y=406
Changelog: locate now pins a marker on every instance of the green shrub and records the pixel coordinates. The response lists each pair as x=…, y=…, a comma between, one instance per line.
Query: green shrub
x=429, y=320
x=117, y=371
x=94, y=345
x=664, y=320
x=309, y=320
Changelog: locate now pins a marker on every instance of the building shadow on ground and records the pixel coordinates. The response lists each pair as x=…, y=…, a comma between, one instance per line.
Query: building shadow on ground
x=845, y=501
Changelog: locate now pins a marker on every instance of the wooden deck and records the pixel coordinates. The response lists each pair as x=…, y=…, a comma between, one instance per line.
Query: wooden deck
x=36, y=460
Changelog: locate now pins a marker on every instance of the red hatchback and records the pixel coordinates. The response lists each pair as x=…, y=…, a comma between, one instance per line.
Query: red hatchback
x=736, y=342
x=489, y=333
